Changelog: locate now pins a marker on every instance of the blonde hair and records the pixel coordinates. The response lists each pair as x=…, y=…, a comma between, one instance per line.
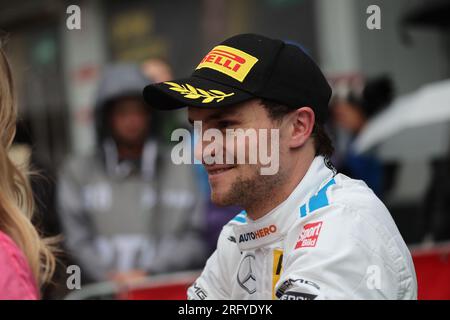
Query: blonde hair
x=16, y=197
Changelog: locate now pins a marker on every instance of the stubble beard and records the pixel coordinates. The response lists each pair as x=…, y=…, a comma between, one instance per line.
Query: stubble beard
x=251, y=191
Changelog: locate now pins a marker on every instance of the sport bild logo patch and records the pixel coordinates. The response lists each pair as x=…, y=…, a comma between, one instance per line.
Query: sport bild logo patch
x=261, y=233
x=309, y=235
x=230, y=61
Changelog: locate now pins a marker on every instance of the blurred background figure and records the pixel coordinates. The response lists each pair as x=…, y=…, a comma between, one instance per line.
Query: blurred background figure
x=418, y=126
x=352, y=108
x=127, y=211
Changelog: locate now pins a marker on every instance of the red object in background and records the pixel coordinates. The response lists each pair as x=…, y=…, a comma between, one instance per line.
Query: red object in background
x=432, y=266
x=163, y=287
x=162, y=292
x=433, y=272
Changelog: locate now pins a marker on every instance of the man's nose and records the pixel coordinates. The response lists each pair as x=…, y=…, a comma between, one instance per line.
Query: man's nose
x=199, y=147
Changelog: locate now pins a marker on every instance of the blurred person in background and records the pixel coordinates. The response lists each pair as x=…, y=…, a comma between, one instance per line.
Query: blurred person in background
x=351, y=112
x=127, y=211
x=26, y=260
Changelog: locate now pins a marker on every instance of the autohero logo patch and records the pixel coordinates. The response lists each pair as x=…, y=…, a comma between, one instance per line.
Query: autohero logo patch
x=230, y=61
x=261, y=233
x=309, y=235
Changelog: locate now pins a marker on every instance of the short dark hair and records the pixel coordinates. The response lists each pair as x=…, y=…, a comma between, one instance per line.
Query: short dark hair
x=322, y=141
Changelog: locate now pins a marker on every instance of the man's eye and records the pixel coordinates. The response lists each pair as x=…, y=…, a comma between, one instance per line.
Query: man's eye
x=224, y=124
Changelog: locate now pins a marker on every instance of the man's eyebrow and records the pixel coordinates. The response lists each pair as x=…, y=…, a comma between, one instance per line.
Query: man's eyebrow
x=221, y=114
x=217, y=115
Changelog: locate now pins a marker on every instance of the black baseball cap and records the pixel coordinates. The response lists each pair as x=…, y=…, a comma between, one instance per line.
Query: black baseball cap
x=244, y=67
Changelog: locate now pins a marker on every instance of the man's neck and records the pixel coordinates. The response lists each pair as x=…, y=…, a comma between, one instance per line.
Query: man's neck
x=259, y=209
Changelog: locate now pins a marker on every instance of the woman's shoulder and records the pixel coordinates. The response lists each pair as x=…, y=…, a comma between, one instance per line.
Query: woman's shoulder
x=16, y=279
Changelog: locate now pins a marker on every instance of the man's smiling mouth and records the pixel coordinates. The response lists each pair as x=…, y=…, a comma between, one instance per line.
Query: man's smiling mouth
x=216, y=170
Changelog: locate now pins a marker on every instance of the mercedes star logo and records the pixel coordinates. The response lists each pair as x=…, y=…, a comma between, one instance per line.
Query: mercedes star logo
x=245, y=276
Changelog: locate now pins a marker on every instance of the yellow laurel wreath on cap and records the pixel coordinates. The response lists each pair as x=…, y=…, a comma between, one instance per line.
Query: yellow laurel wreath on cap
x=190, y=92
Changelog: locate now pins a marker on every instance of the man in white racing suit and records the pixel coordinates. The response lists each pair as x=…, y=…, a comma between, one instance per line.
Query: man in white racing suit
x=331, y=239
x=307, y=232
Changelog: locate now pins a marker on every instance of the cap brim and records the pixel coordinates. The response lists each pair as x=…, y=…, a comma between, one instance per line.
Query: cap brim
x=192, y=92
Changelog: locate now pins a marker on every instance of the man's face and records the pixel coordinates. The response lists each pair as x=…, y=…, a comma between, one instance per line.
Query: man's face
x=129, y=121
x=236, y=184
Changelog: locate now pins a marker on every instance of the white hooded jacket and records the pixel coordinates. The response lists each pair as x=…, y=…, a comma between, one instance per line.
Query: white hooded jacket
x=332, y=238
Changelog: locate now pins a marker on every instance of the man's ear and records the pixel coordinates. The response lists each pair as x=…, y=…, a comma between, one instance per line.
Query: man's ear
x=302, y=124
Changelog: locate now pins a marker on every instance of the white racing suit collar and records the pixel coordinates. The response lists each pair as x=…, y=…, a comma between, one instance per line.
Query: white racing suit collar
x=252, y=234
